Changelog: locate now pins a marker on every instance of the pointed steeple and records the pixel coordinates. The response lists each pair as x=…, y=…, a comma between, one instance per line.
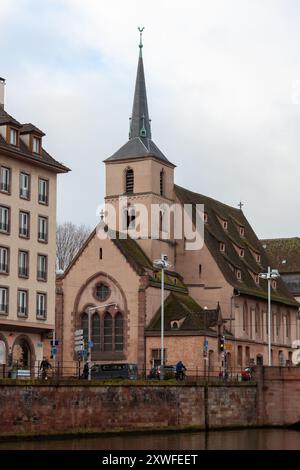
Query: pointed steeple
x=140, y=122
x=140, y=143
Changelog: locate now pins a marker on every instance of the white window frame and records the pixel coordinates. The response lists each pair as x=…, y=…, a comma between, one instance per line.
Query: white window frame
x=24, y=185
x=5, y=179
x=42, y=224
x=22, y=303
x=4, y=259
x=41, y=265
x=3, y=299
x=13, y=136
x=23, y=262
x=4, y=218
x=43, y=191
x=41, y=305
x=24, y=218
x=36, y=145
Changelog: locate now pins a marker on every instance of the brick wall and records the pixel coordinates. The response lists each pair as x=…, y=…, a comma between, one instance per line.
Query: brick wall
x=62, y=409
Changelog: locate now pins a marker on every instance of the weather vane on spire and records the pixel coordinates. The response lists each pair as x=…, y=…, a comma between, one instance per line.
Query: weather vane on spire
x=141, y=34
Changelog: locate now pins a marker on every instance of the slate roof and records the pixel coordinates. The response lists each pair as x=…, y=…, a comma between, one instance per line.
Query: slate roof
x=6, y=118
x=27, y=128
x=184, y=309
x=22, y=151
x=284, y=253
x=139, y=261
x=230, y=261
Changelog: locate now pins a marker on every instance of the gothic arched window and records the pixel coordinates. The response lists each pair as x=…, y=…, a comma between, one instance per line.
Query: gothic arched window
x=108, y=332
x=129, y=181
x=119, y=341
x=96, y=332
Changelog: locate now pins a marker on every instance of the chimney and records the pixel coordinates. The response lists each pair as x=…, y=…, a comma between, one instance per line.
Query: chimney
x=2, y=85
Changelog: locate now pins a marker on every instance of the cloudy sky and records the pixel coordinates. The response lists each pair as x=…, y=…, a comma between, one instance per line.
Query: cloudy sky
x=223, y=82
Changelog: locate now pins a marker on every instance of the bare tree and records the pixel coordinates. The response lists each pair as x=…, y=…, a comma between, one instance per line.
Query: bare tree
x=69, y=240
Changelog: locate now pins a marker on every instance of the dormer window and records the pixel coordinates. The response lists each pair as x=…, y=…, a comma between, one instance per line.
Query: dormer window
x=238, y=274
x=205, y=217
x=274, y=284
x=222, y=246
x=241, y=252
x=36, y=145
x=257, y=257
x=242, y=231
x=13, y=136
x=225, y=224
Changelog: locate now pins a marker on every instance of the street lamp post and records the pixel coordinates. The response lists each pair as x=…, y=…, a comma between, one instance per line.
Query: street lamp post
x=89, y=311
x=269, y=276
x=163, y=264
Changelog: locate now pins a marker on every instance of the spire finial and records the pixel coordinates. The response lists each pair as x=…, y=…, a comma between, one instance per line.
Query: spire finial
x=141, y=38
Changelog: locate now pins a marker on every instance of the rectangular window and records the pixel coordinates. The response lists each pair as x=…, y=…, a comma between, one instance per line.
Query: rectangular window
x=4, y=219
x=43, y=191
x=200, y=270
x=3, y=300
x=5, y=178
x=36, y=145
x=41, y=306
x=100, y=253
x=156, y=357
x=4, y=253
x=23, y=263
x=240, y=356
x=42, y=268
x=13, y=137
x=22, y=303
x=24, y=185
x=24, y=224
x=43, y=229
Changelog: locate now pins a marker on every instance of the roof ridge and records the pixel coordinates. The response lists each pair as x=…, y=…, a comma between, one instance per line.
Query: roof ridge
x=210, y=198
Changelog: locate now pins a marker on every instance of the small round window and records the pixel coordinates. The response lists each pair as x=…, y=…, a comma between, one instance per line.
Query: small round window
x=102, y=291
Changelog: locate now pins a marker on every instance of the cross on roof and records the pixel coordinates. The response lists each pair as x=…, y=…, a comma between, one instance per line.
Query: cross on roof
x=240, y=205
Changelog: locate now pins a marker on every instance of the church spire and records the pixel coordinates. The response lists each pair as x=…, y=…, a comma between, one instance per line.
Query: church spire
x=140, y=122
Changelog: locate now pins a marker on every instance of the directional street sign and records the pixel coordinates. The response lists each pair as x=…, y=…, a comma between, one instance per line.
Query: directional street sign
x=79, y=348
x=79, y=342
x=78, y=333
x=90, y=344
x=53, y=351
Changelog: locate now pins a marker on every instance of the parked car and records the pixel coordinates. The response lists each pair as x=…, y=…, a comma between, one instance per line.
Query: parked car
x=113, y=371
x=168, y=372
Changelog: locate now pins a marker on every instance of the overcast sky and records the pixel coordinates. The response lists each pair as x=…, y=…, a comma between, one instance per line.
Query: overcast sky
x=223, y=83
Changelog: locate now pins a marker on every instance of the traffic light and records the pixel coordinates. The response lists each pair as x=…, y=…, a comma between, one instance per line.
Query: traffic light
x=221, y=343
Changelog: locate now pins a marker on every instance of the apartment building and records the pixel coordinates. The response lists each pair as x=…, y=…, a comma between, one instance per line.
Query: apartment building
x=28, y=177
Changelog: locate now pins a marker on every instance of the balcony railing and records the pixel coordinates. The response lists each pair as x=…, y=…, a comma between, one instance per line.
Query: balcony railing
x=24, y=231
x=22, y=311
x=43, y=198
x=4, y=187
x=23, y=271
x=42, y=236
x=24, y=193
x=42, y=314
x=42, y=275
x=3, y=308
x=4, y=226
x=3, y=268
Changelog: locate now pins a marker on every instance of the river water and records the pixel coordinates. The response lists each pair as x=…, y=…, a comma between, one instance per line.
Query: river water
x=247, y=439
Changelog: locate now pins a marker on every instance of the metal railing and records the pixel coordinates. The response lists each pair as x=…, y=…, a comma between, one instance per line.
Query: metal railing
x=70, y=371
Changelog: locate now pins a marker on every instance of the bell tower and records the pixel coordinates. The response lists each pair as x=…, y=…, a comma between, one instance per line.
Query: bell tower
x=139, y=170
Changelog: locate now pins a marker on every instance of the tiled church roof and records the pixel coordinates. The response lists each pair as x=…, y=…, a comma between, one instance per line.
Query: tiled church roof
x=284, y=253
x=230, y=261
x=188, y=315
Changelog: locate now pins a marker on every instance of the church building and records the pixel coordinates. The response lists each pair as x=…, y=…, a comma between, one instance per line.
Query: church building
x=210, y=293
